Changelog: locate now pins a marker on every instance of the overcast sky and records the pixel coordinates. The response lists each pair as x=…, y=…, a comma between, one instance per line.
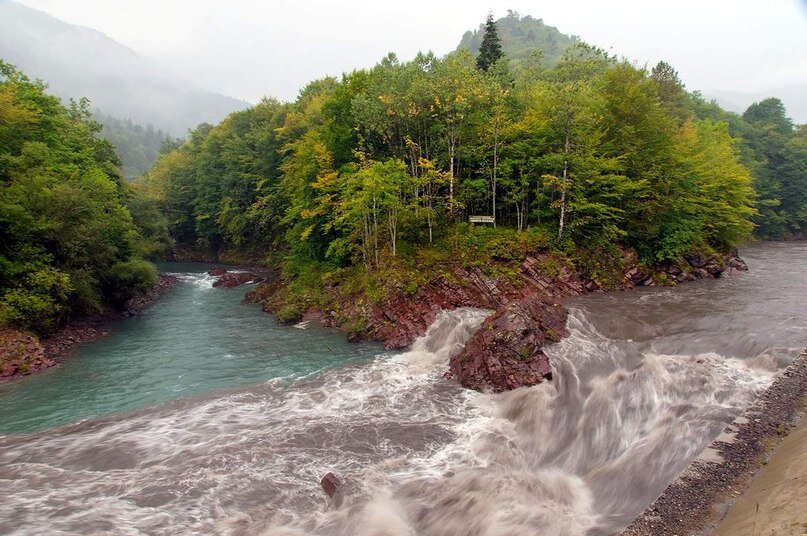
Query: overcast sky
x=251, y=48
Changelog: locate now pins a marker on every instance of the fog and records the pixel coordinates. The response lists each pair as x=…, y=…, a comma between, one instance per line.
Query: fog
x=251, y=48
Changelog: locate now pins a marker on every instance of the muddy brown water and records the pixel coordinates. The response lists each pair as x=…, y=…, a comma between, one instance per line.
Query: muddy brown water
x=645, y=381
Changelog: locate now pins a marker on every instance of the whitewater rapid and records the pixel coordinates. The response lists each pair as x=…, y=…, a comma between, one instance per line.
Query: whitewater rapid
x=645, y=381
x=419, y=454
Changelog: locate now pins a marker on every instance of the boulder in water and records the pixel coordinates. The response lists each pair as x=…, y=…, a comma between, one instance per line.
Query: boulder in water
x=331, y=483
x=507, y=350
x=236, y=279
x=217, y=272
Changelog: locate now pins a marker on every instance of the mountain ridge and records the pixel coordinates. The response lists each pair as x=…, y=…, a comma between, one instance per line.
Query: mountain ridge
x=78, y=61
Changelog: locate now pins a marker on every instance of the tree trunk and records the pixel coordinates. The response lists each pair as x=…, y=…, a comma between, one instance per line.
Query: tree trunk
x=566, y=150
x=392, y=222
x=375, y=230
x=495, y=169
x=452, y=145
x=429, y=213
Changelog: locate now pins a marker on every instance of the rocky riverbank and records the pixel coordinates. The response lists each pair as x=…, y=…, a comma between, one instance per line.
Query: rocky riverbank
x=524, y=300
x=23, y=353
x=701, y=495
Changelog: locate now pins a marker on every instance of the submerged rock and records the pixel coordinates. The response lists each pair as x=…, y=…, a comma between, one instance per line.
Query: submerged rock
x=507, y=351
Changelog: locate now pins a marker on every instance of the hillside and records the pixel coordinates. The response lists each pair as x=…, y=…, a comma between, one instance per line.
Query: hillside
x=81, y=62
x=137, y=146
x=520, y=36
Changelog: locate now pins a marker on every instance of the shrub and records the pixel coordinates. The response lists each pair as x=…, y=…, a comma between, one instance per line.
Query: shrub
x=128, y=279
x=38, y=302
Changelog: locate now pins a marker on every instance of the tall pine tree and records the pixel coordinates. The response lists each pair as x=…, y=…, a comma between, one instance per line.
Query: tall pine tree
x=491, y=49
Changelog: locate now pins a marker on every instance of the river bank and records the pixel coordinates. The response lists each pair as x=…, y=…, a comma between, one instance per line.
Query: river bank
x=774, y=502
x=529, y=289
x=697, y=500
x=23, y=353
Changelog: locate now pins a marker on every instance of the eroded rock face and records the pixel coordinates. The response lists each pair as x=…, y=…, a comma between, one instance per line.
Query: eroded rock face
x=21, y=354
x=507, y=351
x=399, y=322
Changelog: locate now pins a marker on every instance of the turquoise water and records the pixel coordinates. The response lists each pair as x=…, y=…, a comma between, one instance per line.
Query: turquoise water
x=194, y=340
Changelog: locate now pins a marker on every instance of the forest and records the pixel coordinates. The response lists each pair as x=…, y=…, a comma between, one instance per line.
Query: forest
x=137, y=147
x=590, y=151
x=378, y=172
x=68, y=246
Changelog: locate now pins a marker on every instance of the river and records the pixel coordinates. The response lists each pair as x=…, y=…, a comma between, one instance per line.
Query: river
x=203, y=416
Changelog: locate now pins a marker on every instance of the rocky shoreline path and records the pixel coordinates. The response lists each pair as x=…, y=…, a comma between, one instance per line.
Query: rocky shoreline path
x=775, y=501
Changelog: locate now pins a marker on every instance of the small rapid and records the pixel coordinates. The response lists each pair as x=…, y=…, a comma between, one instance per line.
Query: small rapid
x=581, y=455
x=645, y=381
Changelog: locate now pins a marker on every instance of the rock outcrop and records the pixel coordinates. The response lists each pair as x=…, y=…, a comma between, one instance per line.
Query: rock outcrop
x=400, y=321
x=21, y=353
x=234, y=279
x=507, y=350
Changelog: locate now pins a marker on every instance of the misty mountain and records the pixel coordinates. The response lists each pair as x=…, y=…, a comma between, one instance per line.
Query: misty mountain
x=137, y=146
x=81, y=62
x=520, y=36
x=794, y=97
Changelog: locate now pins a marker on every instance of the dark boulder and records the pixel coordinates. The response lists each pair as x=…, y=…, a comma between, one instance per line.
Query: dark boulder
x=331, y=483
x=217, y=271
x=733, y=262
x=235, y=279
x=507, y=350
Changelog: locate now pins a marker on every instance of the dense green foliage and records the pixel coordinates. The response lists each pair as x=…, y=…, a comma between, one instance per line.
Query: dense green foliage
x=780, y=160
x=137, y=147
x=66, y=237
x=776, y=153
x=376, y=168
x=522, y=38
